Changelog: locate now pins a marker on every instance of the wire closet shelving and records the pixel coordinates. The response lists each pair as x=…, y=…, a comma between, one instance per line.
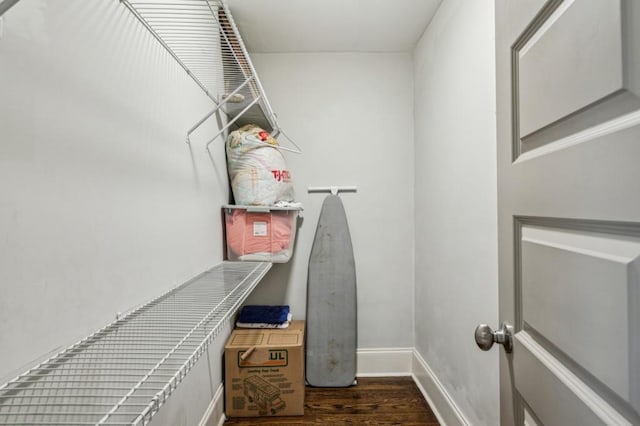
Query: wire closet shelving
x=203, y=38
x=123, y=373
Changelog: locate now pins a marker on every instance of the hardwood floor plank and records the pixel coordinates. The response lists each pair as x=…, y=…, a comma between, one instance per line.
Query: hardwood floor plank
x=373, y=401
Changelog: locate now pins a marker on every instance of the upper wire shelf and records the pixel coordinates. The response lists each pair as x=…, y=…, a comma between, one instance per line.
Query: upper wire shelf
x=124, y=373
x=203, y=38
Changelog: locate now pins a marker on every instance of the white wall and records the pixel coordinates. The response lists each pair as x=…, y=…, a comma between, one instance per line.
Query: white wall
x=456, y=231
x=103, y=206
x=351, y=114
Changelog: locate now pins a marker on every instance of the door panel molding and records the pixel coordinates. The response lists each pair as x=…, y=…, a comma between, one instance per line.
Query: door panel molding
x=538, y=21
x=606, y=394
x=586, y=225
x=605, y=257
x=615, y=125
x=566, y=66
x=555, y=393
x=551, y=99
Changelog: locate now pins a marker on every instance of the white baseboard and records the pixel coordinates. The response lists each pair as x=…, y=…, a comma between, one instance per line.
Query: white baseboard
x=441, y=404
x=214, y=416
x=384, y=362
x=379, y=363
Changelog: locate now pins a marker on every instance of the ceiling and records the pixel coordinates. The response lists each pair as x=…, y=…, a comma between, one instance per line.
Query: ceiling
x=274, y=26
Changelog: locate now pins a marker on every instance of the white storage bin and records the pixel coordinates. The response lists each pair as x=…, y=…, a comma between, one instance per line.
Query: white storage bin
x=260, y=233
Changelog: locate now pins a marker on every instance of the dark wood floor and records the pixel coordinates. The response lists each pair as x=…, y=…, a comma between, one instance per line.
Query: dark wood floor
x=373, y=401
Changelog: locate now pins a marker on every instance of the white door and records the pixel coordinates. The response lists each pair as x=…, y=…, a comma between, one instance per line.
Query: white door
x=568, y=79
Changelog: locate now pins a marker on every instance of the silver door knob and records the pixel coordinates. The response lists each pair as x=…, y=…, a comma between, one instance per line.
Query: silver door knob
x=485, y=337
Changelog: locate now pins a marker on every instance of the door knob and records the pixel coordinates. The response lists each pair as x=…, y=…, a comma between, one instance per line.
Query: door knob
x=485, y=337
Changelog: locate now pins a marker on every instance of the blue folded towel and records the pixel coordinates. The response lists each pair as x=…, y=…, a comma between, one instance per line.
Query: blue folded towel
x=264, y=314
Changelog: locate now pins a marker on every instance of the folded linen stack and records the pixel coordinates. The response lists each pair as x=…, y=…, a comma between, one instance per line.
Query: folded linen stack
x=264, y=316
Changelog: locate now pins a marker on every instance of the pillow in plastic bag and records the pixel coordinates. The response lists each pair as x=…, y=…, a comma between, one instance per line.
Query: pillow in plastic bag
x=257, y=169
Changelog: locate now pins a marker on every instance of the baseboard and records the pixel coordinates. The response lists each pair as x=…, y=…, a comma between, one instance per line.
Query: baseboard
x=436, y=395
x=214, y=416
x=384, y=362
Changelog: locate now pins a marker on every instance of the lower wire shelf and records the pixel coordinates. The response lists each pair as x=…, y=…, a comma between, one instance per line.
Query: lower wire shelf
x=124, y=373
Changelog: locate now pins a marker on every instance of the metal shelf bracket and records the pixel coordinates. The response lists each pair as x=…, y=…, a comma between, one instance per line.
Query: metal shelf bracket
x=203, y=38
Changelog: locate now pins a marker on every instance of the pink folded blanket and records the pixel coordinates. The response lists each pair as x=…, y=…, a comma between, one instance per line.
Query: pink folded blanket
x=258, y=232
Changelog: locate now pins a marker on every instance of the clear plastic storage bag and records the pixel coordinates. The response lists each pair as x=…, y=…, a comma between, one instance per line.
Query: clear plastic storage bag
x=257, y=169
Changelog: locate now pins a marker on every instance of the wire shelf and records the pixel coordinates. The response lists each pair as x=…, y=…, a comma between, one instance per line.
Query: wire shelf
x=203, y=38
x=124, y=373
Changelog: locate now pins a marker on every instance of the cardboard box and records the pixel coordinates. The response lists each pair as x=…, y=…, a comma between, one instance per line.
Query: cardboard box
x=264, y=372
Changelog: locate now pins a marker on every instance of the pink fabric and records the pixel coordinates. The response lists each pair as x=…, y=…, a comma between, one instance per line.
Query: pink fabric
x=240, y=232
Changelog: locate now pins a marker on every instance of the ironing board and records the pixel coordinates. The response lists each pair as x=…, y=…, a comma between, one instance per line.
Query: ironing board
x=331, y=301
